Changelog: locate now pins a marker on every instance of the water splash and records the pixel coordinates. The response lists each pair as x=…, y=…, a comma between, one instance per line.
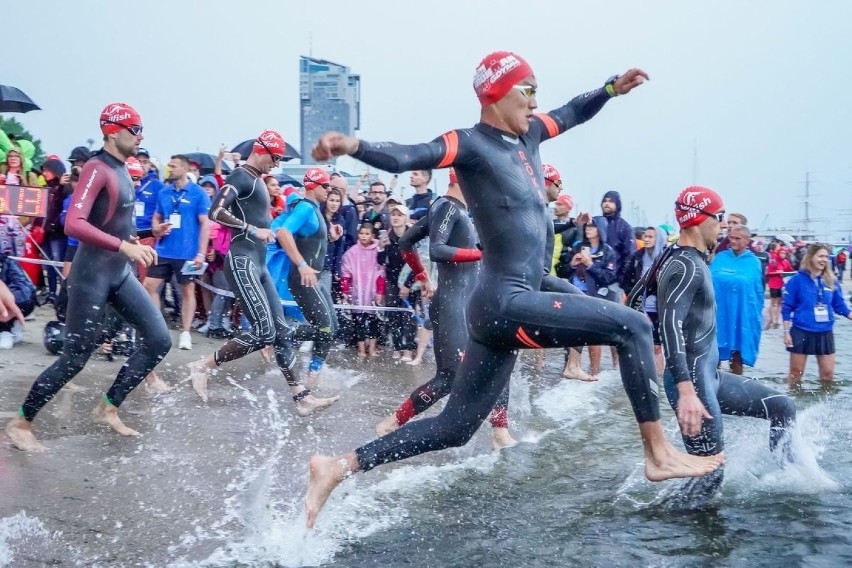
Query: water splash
x=26, y=538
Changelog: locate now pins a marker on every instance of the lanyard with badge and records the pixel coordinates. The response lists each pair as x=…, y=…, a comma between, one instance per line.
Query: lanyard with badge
x=174, y=218
x=139, y=206
x=820, y=309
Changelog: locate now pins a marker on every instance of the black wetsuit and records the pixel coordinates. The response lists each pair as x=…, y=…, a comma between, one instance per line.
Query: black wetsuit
x=501, y=178
x=686, y=305
x=244, y=201
x=101, y=217
x=315, y=301
x=452, y=244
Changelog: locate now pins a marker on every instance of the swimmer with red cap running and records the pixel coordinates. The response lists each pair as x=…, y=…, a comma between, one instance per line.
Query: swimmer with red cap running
x=100, y=216
x=514, y=305
x=243, y=206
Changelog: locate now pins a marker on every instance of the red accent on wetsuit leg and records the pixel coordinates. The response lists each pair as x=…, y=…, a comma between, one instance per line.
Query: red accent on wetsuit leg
x=466, y=255
x=499, y=418
x=526, y=339
x=405, y=412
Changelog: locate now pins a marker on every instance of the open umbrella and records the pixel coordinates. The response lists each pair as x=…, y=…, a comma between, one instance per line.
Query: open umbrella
x=206, y=162
x=284, y=179
x=244, y=149
x=785, y=238
x=13, y=99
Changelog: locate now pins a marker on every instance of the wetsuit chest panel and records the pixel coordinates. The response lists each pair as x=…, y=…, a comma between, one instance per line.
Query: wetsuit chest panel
x=312, y=237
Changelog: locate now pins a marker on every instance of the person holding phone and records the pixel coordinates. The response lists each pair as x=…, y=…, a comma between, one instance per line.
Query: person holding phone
x=180, y=221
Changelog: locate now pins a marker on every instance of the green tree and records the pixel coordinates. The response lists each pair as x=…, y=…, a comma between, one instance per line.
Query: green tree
x=14, y=128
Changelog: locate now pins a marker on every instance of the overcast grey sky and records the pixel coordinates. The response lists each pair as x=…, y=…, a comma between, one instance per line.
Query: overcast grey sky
x=760, y=88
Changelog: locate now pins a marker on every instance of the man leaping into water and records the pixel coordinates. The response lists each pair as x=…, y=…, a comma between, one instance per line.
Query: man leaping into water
x=242, y=205
x=499, y=169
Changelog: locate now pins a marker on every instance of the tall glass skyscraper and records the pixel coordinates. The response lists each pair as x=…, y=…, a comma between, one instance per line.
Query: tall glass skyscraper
x=330, y=99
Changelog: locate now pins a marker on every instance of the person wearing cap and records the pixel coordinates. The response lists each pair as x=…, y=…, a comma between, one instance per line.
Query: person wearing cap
x=79, y=156
x=304, y=236
x=619, y=232
x=181, y=224
x=499, y=169
x=697, y=390
x=242, y=205
x=452, y=245
x=400, y=324
x=101, y=217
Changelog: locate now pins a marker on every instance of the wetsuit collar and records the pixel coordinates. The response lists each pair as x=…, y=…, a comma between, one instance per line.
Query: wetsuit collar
x=251, y=169
x=456, y=201
x=109, y=158
x=497, y=133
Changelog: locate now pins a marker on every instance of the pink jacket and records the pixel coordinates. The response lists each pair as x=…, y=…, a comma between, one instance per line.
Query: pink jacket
x=360, y=269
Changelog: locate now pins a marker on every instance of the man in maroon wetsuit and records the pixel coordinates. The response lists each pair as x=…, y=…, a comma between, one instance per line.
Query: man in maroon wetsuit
x=499, y=169
x=101, y=217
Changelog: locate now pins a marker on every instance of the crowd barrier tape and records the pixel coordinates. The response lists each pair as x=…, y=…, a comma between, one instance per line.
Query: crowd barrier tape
x=229, y=294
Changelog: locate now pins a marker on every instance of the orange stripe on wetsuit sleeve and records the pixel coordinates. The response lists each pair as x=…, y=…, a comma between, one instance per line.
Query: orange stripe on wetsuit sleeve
x=451, y=141
x=550, y=124
x=526, y=340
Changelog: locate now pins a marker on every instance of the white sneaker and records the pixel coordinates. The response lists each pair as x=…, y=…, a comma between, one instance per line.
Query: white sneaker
x=185, y=341
x=7, y=340
x=306, y=347
x=18, y=331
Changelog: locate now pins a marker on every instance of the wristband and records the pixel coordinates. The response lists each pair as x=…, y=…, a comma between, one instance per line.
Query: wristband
x=301, y=264
x=252, y=230
x=421, y=277
x=609, y=87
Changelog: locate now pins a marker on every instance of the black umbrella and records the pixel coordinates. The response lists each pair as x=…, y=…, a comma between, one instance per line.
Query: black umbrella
x=206, y=162
x=284, y=179
x=244, y=149
x=13, y=99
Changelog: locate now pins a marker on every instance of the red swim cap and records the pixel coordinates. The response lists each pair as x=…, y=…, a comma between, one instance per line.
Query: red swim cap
x=551, y=174
x=453, y=177
x=134, y=168
x=695, y=204
x=269, y=142
x=116, y=116
x=566, y=200
x=314, y=178
x=497, y=73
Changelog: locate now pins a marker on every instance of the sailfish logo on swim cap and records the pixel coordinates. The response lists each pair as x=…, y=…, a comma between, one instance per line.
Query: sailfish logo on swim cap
x=695, y=204
x=116, y=116
x=269, y=142
x=497, y=73
x=314, y=178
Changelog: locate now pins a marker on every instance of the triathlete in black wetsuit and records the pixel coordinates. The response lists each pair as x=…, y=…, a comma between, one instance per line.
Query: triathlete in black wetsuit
x=698, y=391
x=242, y=205
x=452, y=244
x=101, y=217
x=498, y=167
x=304, y=236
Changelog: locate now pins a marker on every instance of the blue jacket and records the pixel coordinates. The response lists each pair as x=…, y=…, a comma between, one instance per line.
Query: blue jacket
x=147, y=194
x=619, y=234
x=600, y=274
x=801, y=295
x=738, y=286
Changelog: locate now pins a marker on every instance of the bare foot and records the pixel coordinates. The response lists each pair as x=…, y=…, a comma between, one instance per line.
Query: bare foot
x=311, y=404
x=108, y=416
x=21, y=434
x=579, y=374
x=326, y=473
x=374, y=354
x=198, y=372
x=71, y=387
x=673, y=464
x=387, y=426
x=268, y=354
x=155, y=385
x=415, y=361
x=500, y=438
